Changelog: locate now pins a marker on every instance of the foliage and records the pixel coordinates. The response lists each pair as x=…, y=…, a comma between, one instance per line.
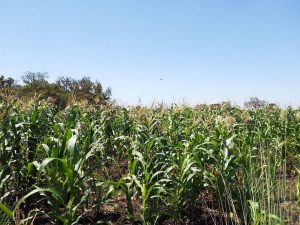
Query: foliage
x=63, y=92
x=166, y=163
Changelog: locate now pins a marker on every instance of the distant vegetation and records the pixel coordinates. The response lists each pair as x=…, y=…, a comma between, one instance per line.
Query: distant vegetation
x=63, y=92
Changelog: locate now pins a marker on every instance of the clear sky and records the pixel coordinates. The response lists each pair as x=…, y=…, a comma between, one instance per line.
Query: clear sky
x=204, y=51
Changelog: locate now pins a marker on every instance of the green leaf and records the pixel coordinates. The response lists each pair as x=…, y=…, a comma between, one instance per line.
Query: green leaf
x=7, y=211
x=40, y=190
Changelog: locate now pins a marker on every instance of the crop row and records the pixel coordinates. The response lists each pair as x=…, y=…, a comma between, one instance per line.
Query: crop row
x=178, y=165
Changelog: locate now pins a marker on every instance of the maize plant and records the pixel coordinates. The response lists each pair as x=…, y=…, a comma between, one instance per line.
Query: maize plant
x=209, y=164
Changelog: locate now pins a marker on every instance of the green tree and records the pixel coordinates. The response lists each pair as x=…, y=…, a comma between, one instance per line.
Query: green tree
x=85, y=89
x=33, y=78
x=6, y=82
x=7, y=88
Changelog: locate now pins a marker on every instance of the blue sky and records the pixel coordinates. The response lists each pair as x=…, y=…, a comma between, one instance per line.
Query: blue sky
x=205, y=51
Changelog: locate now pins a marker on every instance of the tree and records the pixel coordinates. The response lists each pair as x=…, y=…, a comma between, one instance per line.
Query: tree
x=85, y=89
x=255, y=103
x=53, y=93
x=7, y=88
x=6, y=82
x=66, y=83
x=35, y=84
x=107, y=94
x=34, y=78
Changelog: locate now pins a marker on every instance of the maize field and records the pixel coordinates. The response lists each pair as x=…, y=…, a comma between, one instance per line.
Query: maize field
x=207, y=164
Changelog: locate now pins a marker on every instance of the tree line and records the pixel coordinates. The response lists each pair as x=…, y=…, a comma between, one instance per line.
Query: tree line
x=63, y=91
x=66, y=90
